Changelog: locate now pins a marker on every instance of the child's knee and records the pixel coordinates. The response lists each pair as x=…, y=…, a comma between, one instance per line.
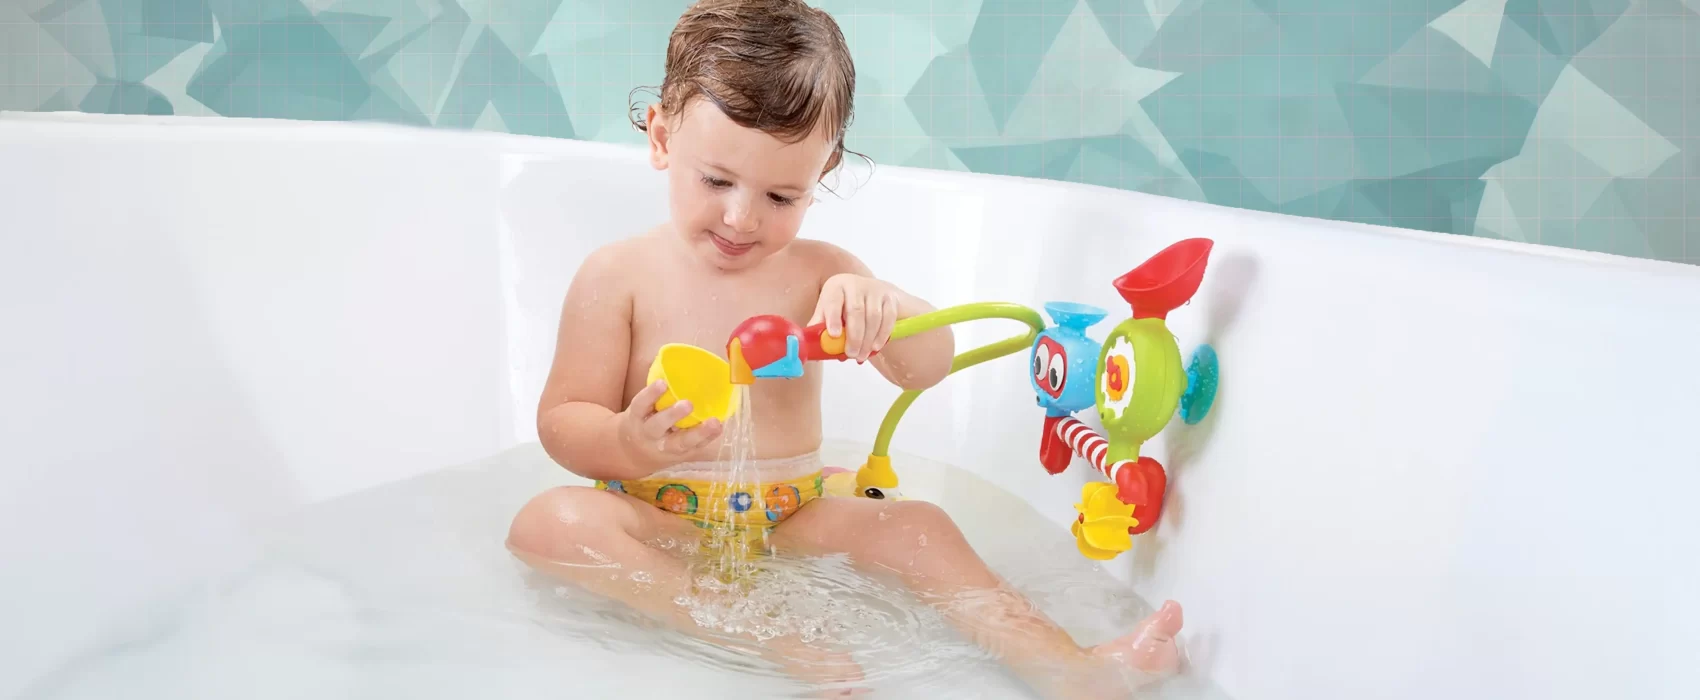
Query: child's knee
x=918, y=517
x=562, y=517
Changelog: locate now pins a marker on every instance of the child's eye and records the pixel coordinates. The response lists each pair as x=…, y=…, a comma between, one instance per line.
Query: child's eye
x=781, y=200
x=715, y=182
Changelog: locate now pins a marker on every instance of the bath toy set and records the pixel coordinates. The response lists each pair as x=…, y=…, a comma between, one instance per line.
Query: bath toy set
x=1136, y=381
x=1134, y=378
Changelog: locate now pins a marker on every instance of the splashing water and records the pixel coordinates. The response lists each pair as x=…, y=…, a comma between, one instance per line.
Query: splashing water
x=730, y=550
x=406, y=590
x=738, y=588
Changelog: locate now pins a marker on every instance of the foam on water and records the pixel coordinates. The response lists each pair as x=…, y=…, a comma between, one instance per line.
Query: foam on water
x=408, y=591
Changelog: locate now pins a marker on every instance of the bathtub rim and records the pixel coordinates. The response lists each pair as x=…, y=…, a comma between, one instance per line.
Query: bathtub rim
x=113, y=126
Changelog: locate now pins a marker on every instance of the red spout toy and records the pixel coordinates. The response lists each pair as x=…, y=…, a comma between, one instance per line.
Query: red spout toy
x=772, y=347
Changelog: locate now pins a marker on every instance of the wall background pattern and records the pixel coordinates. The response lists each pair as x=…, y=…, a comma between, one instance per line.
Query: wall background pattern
x=1560, y=122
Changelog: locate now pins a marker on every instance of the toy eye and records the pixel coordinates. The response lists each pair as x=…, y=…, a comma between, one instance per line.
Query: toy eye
x=1041, y=360
x=1057, y=373
x=874, y=492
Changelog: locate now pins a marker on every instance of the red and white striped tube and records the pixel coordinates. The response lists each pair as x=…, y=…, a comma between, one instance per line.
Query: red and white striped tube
x=1091, y=446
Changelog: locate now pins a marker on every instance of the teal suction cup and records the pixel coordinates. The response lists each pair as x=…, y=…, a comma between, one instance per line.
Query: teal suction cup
x=1201, y=377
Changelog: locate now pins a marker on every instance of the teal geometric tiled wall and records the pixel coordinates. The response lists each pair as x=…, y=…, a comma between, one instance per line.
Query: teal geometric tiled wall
x=1562, y=122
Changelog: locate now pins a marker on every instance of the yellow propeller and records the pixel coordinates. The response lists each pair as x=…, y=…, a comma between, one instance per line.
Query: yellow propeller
x=1101, y=530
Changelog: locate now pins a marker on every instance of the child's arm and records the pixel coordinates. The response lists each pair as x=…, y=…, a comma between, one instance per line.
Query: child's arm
x=580, y=420
x=855, y=303
x=918, y=361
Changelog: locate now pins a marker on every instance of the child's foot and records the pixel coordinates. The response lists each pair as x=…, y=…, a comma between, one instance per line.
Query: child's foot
x=1150, y=649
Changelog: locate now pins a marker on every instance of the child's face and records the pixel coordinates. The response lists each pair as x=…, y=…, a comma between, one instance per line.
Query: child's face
x=737, y=195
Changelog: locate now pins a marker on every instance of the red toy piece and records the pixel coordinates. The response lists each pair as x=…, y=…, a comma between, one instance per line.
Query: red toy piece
x=1142, y=484
x=763, y=340
x=1054, y=452
x=1167, y=280
x=758, y=342
x=818, y=346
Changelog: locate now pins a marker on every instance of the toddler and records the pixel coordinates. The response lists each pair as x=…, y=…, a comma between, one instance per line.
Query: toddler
x=752, y=114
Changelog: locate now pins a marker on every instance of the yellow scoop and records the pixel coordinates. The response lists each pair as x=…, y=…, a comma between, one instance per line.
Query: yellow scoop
x=696, y=375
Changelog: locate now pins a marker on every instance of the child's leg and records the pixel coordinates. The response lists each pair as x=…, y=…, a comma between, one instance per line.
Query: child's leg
x=918, y=542
x=596, y=539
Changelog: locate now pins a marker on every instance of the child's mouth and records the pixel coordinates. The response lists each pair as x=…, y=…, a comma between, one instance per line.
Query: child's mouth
x=729, y=248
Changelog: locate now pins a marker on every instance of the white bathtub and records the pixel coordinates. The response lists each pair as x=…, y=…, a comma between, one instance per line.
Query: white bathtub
x=1438, y=466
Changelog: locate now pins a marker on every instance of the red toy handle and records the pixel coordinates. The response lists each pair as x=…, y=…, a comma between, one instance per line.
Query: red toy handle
x=818, y=346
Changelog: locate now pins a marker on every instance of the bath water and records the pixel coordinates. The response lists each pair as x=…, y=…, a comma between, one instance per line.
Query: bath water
x=407, y=591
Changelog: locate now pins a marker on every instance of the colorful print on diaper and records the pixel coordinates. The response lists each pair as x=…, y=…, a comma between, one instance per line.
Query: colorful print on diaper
x=782, y=501
x=677, y=498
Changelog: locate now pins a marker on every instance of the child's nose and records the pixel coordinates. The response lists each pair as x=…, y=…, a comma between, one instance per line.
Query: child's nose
x=740, y=216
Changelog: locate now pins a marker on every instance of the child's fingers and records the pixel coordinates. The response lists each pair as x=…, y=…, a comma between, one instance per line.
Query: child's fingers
x=692, y=438
x=643, y=404
x=856, y=326
x=888, y=323
x=701, y=435
x=874, y=334
x=656, y=426
x=830, y=308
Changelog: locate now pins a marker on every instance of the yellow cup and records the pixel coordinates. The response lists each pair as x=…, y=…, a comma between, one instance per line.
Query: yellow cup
x=698, y=376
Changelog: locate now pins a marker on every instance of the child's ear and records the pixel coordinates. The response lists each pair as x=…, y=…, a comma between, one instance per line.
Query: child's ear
x=656, y=126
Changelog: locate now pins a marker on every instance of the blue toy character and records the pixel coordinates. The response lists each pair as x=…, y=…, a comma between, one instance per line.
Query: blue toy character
x=1064, y=369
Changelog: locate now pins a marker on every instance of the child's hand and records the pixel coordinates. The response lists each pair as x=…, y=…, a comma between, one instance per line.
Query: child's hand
x=862, y=307
x=650, y=434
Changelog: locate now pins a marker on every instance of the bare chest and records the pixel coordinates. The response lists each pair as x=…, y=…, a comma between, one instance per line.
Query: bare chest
x=702, y=310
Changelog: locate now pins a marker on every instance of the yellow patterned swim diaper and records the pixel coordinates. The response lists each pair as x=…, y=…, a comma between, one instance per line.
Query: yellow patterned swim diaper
x=691, y=491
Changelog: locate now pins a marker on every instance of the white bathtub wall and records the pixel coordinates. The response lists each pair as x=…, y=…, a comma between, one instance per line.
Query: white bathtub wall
x=1436, y=465
x=206, y=325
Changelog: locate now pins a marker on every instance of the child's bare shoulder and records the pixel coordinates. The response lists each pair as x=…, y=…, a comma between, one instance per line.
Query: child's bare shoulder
x=825, y=258
x=611, y=264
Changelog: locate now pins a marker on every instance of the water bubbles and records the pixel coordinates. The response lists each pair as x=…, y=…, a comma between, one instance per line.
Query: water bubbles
x=884, y=516
x=922, y=540
x=642, y=577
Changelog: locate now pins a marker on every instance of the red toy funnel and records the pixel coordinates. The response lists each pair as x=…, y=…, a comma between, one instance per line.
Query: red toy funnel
x=1167, y=280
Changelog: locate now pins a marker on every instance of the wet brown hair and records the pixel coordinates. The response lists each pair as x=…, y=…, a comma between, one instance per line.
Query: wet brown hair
x=777, y=66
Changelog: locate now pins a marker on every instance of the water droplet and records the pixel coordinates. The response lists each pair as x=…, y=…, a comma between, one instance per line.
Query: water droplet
x=884, y=515
x=642, y=577
x=597, y=557
x=922, y=540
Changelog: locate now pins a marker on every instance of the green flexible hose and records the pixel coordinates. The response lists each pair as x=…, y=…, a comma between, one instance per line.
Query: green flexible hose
x=948, y=317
